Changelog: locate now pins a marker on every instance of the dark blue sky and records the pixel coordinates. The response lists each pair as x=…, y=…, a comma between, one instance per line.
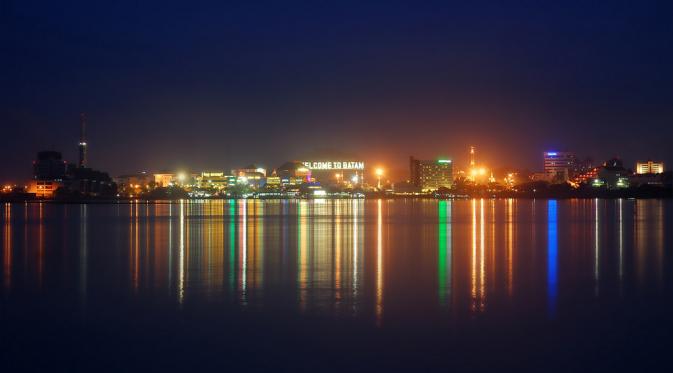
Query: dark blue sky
x=214, y=85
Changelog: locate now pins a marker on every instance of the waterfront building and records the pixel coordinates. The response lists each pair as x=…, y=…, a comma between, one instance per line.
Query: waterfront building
x=134, y=184
x=164, y=179
x=559, y=166
x=612, y=175
x=431, y=175
x=215, y=180
x=273, y=181
x=586, y=176
x=251, y=175
x=250, y=170
x=49, y=172
x=649, y=167
x=293, y=173
x=44, y=188
x=89, y=182
x=49, y=165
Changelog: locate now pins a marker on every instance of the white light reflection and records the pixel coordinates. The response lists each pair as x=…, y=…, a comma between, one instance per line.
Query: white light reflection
x=379, y=265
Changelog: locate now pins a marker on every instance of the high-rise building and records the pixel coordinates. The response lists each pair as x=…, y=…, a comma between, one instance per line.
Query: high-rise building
x=558, y=166
x=649, y=167
x=431, y=175
x=49, y=165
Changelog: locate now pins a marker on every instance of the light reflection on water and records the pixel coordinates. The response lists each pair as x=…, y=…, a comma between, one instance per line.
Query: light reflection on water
x=390, y=261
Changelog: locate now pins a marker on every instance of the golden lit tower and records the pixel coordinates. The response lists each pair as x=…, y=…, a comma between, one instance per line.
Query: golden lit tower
x=472, y=163
x=82, y=140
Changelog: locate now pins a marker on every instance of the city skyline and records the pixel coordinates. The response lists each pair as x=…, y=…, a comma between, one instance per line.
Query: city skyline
x=374, y=186
x=202, y=87
x=396, y=172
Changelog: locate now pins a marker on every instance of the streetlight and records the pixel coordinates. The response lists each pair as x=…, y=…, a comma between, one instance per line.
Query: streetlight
x=182, y=177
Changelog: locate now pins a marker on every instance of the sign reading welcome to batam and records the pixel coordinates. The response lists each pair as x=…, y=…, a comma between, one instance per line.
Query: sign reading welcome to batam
x=337, y=165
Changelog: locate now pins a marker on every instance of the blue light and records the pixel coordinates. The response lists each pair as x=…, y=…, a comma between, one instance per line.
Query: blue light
x=551, y=154
x=552, y=258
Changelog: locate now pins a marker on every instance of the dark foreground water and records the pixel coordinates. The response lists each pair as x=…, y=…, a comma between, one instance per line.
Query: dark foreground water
x=349, y=285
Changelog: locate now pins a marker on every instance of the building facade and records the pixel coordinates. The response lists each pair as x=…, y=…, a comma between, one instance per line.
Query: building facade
x=559, y=166
x=215, y=180
x=649, y=167
x=49, y=165
x=164, y=179
x=612, y=175
x=44, y=188
x=431, y=175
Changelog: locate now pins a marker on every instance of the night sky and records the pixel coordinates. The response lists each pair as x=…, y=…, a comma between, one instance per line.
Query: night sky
x=220, y=85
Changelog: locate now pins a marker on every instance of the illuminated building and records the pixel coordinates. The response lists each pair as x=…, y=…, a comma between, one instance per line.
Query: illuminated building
x=134, y=184
x=273, y=181
x=215, y=180
x=44, y=188
x=49, y=166
x=612, y=175
x=250, y=175
x=431, y=175
x=252, y=170
x=164, y=179
x=587, y=176
x=558, y=166
x=649, y=167
x=49, y=171
x=293, y=173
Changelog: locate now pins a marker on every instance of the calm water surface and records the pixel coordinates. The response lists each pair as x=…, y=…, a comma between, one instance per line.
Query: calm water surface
x=348, y=285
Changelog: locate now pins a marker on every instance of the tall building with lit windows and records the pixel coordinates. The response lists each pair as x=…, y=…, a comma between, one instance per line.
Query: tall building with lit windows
x=649, y=167
x=559, y=165
x=431, y=175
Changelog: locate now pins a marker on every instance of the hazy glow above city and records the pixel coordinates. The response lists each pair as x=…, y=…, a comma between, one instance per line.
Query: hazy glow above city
x=196, y=87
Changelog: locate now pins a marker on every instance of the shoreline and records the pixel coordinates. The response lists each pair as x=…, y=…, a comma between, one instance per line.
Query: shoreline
x=384, y=197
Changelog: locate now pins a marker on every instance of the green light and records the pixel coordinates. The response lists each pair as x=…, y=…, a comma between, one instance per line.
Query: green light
x=444, y=161
x=444, y=251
